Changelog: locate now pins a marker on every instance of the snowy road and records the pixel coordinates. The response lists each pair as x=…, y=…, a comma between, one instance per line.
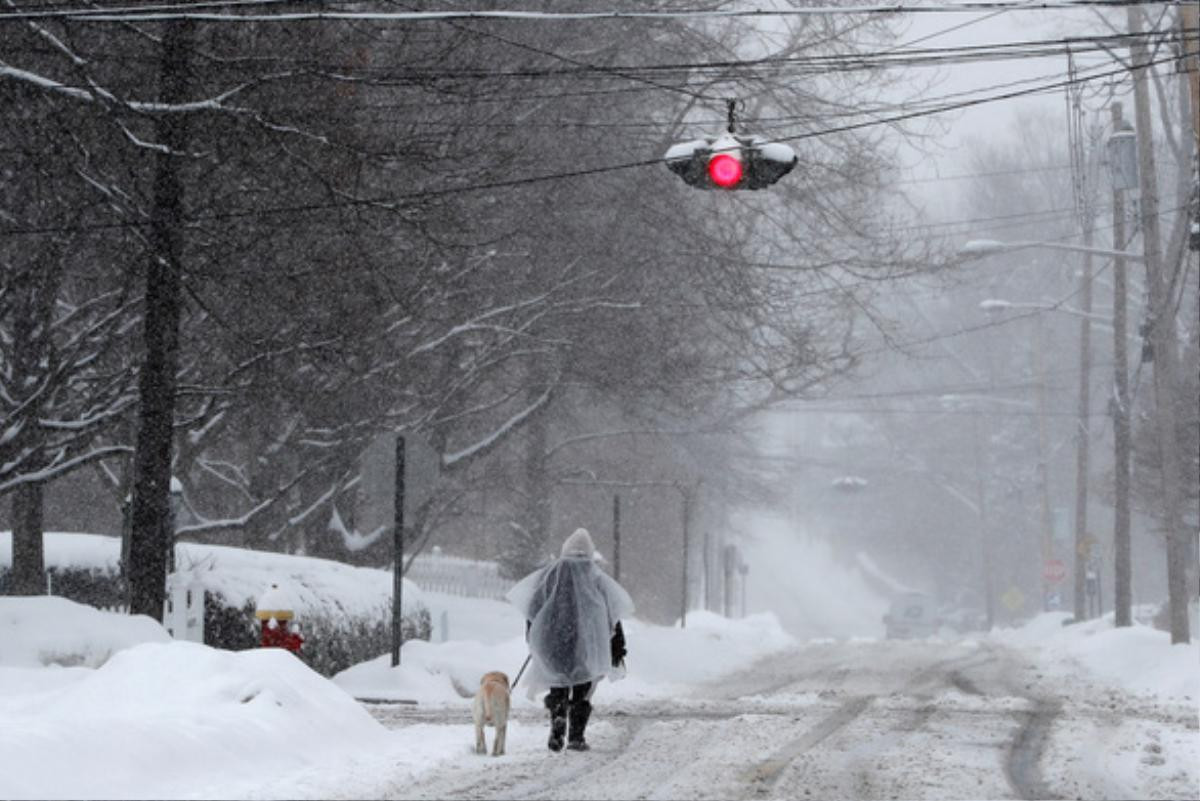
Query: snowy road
x=859, y=720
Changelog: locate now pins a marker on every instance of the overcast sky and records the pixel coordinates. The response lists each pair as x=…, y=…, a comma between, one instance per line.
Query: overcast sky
x=996, y=119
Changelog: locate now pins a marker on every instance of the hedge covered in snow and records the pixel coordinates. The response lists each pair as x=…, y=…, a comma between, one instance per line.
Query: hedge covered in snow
x=343, y=611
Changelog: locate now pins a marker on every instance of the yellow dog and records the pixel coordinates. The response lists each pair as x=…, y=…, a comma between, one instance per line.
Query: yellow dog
x=491, y=707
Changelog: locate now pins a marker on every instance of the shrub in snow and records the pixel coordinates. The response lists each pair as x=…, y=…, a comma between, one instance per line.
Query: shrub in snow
x=333, y=643
x=227, y=626
x=333, y=640
x=100, y=587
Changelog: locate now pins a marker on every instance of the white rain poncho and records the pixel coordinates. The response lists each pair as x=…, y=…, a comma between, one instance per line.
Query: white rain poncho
x=573, y=607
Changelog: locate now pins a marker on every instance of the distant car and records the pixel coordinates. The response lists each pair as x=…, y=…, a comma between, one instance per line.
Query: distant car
x=911, y=616
x=960, y=619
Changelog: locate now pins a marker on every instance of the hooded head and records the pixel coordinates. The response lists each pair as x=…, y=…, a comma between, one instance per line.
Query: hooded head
x=578, y=545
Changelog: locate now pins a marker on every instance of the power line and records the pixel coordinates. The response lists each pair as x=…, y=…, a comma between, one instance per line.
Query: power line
x=391, y=202
x=901, y=55
x=140, y=14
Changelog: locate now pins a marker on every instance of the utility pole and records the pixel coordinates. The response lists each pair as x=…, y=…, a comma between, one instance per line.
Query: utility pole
x=729, y=567
x=985, y=546
x=1119, y=402
x=1084, y=207
x=1043, y=456
x=705, y=569
x=1162, y=339
x=743, y=570
x=398, y=555
x=617, y=536
x=687, y=513
x=1083, y=433
x=150, y=511
x=1189, y=35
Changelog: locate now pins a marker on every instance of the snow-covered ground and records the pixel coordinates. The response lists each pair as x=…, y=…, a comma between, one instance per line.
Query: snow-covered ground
x=136, y=715
x=663, y=662
x=1082, y=710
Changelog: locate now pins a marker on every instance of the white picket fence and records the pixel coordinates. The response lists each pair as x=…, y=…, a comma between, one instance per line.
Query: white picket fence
x=183, y=610
x=454, y=575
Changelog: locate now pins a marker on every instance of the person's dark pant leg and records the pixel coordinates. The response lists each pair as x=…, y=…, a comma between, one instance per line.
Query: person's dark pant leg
x=580, y=710
x=556, y=702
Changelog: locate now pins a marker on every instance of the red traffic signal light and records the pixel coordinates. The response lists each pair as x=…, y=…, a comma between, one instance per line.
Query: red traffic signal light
x=725, y=170
x=730, y=162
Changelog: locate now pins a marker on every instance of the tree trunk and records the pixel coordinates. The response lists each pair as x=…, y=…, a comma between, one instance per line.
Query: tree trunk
x=29, y=564
x=149, y=535
x=1162, y=337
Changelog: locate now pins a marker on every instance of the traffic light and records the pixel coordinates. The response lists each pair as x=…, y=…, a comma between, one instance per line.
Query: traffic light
x=730, y=162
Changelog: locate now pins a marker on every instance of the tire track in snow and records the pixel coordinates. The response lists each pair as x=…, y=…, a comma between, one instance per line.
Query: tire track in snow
x=765, y=775
x=1025, y=753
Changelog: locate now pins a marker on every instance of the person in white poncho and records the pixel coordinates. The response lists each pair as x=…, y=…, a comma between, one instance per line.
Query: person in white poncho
x=573, y=614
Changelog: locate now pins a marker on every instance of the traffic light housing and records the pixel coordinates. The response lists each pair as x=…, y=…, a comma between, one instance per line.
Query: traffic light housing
x=730, y=162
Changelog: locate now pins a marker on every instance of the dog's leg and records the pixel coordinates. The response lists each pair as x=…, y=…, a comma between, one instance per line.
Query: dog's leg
x=501, y=720
x=480, y=742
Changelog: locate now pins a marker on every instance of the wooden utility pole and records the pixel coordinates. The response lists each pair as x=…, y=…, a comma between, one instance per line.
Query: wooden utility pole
x=1162, y=338
x=687, y=514
x=1043, y=459
x=151, y=510
x=398, y=554
x=616, y=536
x=1085, y=208
x=1189, y=35
x=985, y=544
x=1083, y=432
x=1119, y=406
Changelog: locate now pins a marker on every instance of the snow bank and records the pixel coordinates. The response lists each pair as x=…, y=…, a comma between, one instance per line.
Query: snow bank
x=1139, y=659
x=160, y=719
x=149, y=717
x=43, y=630
x=433, y=673
x=661, y=661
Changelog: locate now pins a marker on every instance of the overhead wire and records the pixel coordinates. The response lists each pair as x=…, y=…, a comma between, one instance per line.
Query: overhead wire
x=900, y=55
x=170, y=12
x=391, y=202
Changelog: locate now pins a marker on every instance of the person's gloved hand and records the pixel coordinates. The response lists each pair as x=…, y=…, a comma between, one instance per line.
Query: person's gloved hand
x=528, y=626
x=618, y=645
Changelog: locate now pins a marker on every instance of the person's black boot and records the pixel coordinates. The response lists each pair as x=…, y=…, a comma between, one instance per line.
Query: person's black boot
x=557, y=704
x=580, y=712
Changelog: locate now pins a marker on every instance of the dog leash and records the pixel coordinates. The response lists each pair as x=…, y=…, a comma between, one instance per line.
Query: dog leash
x=521, y=672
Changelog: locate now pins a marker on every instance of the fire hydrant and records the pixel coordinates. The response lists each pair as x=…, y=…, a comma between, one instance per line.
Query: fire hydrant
x=279, y=627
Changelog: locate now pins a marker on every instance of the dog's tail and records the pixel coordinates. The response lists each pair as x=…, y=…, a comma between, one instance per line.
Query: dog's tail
x=487, y=707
